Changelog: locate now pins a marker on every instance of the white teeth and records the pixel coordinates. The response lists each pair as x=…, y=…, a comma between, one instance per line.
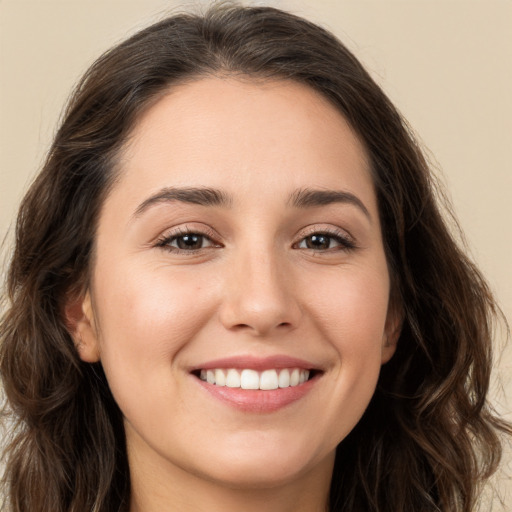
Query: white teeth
x=252, y=379
x=232, y=379
x=269, y=380
x=220, y=378
x=249, y=379
x=284, y=378
x=295, y=377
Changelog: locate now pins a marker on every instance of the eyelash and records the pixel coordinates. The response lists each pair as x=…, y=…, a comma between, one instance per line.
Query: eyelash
x=166, y=240
x=346, y=243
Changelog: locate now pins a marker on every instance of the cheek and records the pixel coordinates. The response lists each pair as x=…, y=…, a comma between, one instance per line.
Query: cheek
x=146, y=318
x=153, y=304
x=351, y=307
x=351, y=312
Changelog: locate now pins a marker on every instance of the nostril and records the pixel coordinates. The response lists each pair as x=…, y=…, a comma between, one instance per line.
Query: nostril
x=254, y=310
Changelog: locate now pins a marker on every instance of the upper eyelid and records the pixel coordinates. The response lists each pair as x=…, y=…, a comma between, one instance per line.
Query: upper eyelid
x=346, y=240
x=186, y=230
x=164, y=242
x=331, y=230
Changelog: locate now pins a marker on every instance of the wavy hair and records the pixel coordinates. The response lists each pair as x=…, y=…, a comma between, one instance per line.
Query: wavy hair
x=428, y=437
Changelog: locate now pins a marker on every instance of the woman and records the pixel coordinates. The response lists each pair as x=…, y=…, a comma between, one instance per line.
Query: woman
x=232, y=289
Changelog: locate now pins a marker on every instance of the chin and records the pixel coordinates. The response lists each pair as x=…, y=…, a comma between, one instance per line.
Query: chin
x=251, y=476
x=264, y=468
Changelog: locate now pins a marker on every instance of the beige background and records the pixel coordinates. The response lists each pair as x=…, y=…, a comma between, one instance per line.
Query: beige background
x=447, y=65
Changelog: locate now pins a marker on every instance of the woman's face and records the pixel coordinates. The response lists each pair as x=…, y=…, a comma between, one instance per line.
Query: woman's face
x=240, y=249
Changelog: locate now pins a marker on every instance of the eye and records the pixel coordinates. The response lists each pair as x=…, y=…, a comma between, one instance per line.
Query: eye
x=189, y=242
x=186, y=241
x=324, y=241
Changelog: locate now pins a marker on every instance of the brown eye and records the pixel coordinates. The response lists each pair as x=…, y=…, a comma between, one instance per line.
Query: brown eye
x=190, y=241
x=325, y=242
x=186, y=242
x=318, y=242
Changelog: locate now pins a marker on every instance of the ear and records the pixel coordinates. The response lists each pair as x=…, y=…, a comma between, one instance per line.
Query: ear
x=79, y=318
x=392, y=330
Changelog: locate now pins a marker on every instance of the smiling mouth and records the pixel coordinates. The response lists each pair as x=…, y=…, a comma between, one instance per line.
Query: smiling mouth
x=250, y=379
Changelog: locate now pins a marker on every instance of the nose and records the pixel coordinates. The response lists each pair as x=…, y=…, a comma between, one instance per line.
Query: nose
x=260, y=297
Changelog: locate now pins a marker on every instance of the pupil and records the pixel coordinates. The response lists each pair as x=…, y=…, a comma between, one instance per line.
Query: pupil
x=318, y=242
x=189, y=242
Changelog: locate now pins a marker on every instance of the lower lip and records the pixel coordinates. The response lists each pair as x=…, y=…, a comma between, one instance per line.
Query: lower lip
x=259, y=401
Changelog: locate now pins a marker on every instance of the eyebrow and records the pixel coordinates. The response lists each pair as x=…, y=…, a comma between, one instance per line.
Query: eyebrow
x=204, y=196
x=311, y=198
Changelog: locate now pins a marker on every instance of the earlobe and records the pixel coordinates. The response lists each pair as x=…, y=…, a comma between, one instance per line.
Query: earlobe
x=388, y=348
x=392, y=332
x=79, y=318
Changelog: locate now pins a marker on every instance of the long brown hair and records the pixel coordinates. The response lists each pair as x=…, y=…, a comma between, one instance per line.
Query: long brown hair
x=428, y=437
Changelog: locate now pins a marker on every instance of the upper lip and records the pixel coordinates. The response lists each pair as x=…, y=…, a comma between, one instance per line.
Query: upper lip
x=257, y=363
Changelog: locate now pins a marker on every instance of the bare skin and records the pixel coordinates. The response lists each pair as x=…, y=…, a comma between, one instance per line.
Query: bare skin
x=280, y=258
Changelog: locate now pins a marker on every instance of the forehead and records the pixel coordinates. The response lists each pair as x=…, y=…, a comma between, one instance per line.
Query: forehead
x=227, y=133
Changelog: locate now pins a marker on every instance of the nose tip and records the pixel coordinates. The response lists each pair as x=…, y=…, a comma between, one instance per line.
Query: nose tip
x=257, y=321
x=260, y=302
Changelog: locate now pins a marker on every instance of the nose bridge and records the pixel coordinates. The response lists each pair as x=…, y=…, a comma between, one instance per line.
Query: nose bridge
x=259, y=294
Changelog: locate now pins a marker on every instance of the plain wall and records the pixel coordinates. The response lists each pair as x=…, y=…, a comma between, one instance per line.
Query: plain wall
x=446, y=64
